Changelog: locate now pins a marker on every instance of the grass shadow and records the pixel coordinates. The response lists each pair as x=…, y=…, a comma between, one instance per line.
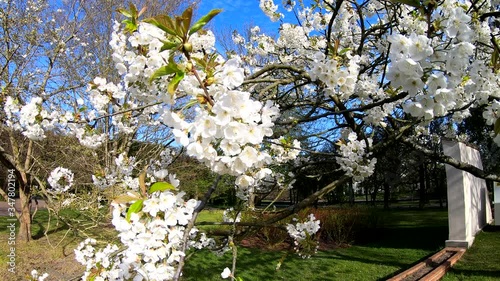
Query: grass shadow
x=40, y=224
x=411, y=229
x=425, y=238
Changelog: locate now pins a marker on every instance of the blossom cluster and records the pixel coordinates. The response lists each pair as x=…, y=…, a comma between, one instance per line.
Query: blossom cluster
x=26, y=118
x=226, y=130
x=269, y=9
x=339, y=80
x=121, y=174
x=61, y=180
x=35, y=276
x=303, y=234
x=491, y=115
x=353, y=158
x=152, y=240
x=230, y=215
x=226, y=273
x=301, y=231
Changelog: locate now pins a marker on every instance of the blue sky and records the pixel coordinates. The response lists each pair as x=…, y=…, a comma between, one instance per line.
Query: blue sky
x=237, y=14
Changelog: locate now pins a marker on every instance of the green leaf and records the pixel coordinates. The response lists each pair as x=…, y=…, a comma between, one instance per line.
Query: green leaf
x=164, y=23
x=160, y=186
x=130, y=25
x=169, y=45
x=133, y=10
x=134, y=208
x=179, y=27
x=171, y=68
x=200, y=62
x=204, y=20
x=187, y=16
x=124, y=12
x=141, y=11
x=494, y=58
x=345, y=50
x=126, y=198
x=172, y=86
x=496, y=128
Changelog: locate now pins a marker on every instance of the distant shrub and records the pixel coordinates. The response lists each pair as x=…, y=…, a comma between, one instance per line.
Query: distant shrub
x=273, y=236
x=346, y=225
x=339, y=226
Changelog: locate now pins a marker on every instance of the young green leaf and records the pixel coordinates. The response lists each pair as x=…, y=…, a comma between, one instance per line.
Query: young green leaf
x=171, y=68
x=134, y=208
x=130, y=26
x=160, y=186
x=141, y=11
x=187, y=16
x=169, y=45
x=343, y=51
x=494, y=58
x=172, y=86
x=133, y=9
x=204, y=20
x=126, y=198
x=164, y=23
x=124, y=12
x=496, y=128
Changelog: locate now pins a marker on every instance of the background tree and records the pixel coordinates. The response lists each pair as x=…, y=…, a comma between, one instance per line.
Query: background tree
x=50, y=51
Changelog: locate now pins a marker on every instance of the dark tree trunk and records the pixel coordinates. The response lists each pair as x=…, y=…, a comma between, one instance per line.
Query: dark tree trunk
x=351, y=193
x=421, y=173
x=374, y=195
x=387, y=195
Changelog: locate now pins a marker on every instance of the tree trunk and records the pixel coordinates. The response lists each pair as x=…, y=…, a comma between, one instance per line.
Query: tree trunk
x=387, y=195
x=251, y=200
x=351, y=193
x=421, y=173
x=374, y=196
x=24, y=233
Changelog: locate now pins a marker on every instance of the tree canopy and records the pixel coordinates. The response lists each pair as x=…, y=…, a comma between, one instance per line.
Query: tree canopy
x=343, y=82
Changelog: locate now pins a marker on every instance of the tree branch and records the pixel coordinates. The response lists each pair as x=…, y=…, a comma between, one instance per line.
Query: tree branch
x=452, y=161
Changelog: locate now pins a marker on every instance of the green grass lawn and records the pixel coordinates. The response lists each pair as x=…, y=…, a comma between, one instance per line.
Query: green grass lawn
x=406, y=236
x=354, y=263
x=482, y=261
x=52, y=253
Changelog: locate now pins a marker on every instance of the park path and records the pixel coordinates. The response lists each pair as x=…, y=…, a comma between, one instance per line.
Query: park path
x=4, y=206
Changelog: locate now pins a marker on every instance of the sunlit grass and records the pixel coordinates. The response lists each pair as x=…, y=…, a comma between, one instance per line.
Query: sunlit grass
x=482, y=261
x=406, y=237
x=354, y=263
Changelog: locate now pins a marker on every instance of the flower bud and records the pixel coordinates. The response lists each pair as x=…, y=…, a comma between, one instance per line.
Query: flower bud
x=187, y=47
x=201, y=99
x=209, y=81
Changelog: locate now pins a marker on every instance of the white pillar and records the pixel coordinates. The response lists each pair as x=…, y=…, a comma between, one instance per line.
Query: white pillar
x=496, y=201
x=469, y=208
